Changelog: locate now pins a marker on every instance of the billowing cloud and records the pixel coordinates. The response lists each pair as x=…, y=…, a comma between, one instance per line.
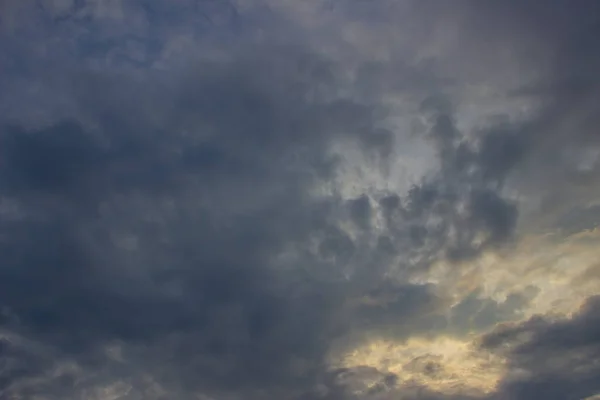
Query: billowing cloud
x=299, y=200
x=552, y=357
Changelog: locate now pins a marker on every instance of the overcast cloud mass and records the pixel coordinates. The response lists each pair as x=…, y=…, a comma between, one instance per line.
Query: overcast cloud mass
x=299, y=200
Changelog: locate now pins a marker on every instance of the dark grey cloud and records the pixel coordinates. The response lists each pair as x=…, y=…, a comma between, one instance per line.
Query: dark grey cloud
x=552, y=357
x=458, y=211
x=150, y=220
x=553, y=46
x=158, y=222
x=205, y=210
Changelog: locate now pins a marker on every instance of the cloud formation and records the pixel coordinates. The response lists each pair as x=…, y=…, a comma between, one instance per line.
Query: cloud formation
x=316, y=200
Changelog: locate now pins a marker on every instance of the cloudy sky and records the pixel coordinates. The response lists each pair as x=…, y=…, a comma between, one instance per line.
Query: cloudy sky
x=299, y=199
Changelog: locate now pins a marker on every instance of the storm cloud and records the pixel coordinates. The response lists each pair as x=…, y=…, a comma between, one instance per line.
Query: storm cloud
x=316, y=200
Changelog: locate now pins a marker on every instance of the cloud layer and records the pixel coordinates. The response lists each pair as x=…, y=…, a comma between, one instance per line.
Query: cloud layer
x=299, y=200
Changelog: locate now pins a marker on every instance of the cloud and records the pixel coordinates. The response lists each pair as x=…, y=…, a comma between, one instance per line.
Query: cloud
x=557, y=65
x=316, y=200
x=161, y=236
x=553, y=357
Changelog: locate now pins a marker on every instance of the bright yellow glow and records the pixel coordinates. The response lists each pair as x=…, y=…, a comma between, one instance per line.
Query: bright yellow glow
x=444, y=364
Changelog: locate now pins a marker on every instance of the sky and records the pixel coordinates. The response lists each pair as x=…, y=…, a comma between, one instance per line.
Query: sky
x=299, y=200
